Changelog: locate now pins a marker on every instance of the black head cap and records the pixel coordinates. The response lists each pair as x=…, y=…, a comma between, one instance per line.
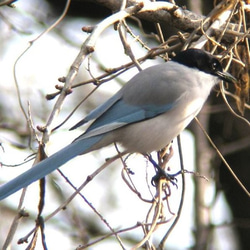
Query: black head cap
x=197, y=58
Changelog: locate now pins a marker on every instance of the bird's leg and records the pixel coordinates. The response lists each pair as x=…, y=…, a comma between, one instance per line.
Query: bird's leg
x=161, y=173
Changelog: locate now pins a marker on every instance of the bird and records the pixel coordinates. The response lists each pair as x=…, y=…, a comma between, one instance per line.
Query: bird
x=145, y=115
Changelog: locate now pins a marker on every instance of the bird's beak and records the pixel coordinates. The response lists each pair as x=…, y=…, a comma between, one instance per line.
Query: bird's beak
x=225, y=76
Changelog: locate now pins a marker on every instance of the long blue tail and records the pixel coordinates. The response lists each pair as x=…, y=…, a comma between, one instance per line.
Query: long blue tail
x=48, y=165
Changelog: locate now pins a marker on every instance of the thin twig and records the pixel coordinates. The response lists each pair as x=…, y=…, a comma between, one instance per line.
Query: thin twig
x=66, y=202
x=229, y=107
x=162, y=243
x=94, y=209
x=87, y=48
x=222, y=158
x=157, y=211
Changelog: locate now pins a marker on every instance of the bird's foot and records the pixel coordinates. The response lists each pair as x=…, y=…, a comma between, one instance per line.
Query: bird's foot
x=161, y=173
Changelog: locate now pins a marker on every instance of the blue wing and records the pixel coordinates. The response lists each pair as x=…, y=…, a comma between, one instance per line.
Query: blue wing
x=121, y=114
x=140, y=99
x=98, y=111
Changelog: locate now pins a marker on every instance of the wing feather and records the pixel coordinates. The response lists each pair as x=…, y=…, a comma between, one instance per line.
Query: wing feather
x=132, y=104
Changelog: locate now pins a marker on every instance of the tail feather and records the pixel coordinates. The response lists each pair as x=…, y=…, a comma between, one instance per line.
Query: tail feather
x=48, y=165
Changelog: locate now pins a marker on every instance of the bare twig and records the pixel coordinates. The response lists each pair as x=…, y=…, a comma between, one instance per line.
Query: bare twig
x=87, y=48
x=94, y=209
x=223, y=159
x=162, y=243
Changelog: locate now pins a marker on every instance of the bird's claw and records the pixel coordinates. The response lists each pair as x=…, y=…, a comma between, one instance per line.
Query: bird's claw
x=163, y=174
